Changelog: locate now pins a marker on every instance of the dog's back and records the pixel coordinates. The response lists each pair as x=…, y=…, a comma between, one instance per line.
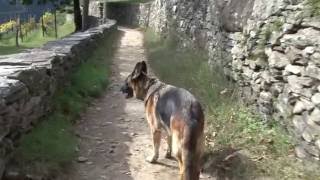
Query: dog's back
x=183, y=117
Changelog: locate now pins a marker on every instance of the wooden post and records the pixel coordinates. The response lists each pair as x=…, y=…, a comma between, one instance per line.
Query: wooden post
x=42, y=26
x=21, y=33
x=55, y=23
x=17, y=31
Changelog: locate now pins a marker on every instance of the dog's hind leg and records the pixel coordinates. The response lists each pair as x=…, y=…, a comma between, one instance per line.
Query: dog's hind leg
x=156, y=137
x=169, y=150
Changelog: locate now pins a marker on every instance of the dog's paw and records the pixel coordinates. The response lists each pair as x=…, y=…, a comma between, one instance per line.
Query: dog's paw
x=168, y=155
x=152, y=159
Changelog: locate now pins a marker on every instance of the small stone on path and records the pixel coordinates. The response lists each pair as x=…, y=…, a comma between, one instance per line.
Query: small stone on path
x=82, y=159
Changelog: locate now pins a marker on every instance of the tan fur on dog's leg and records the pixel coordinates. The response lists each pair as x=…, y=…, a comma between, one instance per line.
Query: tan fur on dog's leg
x=169, y=150
x=156, y=137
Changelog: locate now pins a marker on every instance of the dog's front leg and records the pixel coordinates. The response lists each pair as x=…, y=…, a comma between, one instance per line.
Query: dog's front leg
x=156, y=137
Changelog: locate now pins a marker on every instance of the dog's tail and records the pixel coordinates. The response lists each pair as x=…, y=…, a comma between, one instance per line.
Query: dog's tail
x=193, y=144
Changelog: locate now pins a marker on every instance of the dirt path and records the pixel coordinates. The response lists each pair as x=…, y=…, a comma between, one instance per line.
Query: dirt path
x=114, y=137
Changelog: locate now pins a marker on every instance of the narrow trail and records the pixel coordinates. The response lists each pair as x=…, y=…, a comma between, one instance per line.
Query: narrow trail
x=113, y=134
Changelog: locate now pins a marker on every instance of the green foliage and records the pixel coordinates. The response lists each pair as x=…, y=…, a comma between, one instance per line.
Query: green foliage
x=5, y=27
x=28, y=2
x=34, y=37
x=315, y=7
x=52, y=144
x=269, y=29
x=48, y=19
x=88, y=81
x=127, y=1
x=230, y=124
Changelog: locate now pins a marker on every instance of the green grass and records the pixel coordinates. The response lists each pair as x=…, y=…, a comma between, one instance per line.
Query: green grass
x=266, y=148
x=35, y=38
x=51, y=145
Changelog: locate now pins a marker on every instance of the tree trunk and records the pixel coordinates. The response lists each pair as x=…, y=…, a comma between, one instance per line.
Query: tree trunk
x=77, y=15
x=85, y=15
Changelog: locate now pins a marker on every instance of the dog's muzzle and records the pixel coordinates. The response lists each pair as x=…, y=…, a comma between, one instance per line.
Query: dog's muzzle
x=128, y=91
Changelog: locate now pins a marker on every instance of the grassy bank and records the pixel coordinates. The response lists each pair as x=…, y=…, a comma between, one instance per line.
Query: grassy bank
x=239, y=144
x=35, y=38
x=51, y=145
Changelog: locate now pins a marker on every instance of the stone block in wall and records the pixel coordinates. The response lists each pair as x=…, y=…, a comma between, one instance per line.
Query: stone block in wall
x=302, y=105
x=302, y=39
x=315, y=58
x=294, y=69
x=11, y=90
x=300, y=82
x=311, y=150
x=278, y=60
x=316, y=99
x=313, y=71
x=314, y=116
x=299, y=123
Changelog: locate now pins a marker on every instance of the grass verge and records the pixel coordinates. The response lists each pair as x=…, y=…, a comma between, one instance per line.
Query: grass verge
x=239, y=144
x=51, y=145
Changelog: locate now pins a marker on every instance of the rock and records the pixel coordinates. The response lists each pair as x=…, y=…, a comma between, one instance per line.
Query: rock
x=302, y=105
x=278, y=60
x=294, y=55
x=315, y=58
x=316, y=99
x=13, y=174
x=265, y=96
x=315, y=115
x=311, y=150
x=311, y=22
x=302, y=39
x=313, y=71
x=300, y=152
x=299, y=82
x=317, y=143
x=133, y=134
x=307, y=136
x=247, y=72
x=108, y=123
x=82, y=159
x=318, y=88
x=276, y=89
x=299, y=123
x=308, y=51
x=293, y=69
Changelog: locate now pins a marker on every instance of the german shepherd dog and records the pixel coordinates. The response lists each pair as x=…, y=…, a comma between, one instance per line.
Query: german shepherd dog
x=174, y=110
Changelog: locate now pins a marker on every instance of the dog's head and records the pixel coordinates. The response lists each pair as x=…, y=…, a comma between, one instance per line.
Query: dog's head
x=134, y=84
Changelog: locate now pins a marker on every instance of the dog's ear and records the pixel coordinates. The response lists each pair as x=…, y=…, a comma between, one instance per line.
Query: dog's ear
x=140, y=68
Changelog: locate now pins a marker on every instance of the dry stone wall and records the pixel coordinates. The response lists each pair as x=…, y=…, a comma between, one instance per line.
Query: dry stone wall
x=29, y=79
x=271, y=49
